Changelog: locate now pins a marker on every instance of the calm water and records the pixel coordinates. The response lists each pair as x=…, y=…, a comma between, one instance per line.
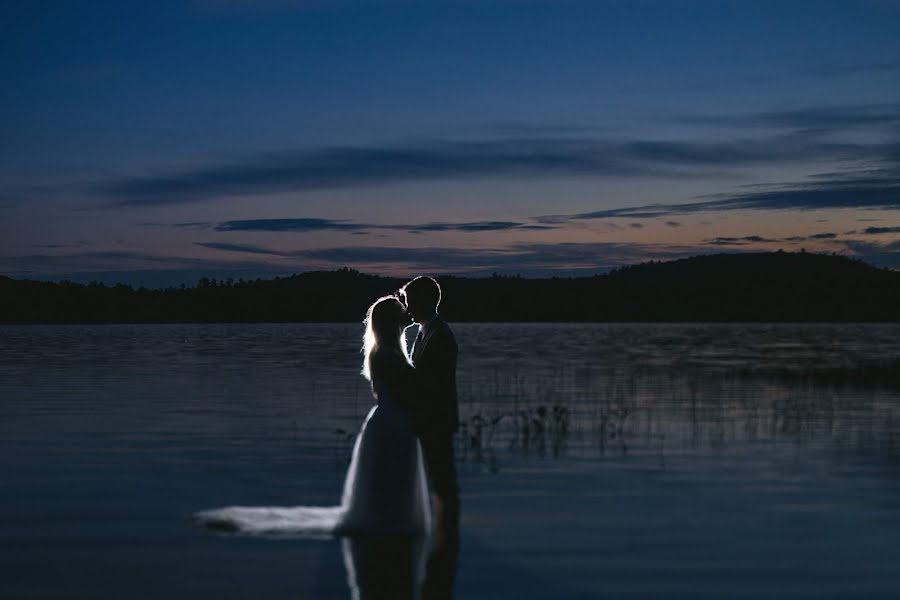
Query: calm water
x=614, y=461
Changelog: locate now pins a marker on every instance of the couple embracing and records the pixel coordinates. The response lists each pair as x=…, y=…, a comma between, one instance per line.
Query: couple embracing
x=405, y=441
x=407, y=437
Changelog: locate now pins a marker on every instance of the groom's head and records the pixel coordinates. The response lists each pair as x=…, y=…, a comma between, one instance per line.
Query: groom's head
x=421, y=296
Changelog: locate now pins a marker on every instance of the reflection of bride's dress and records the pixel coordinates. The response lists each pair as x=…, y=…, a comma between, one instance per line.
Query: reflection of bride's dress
x=385, y=491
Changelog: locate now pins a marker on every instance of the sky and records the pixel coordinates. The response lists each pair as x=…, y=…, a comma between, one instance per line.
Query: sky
x=154, y=143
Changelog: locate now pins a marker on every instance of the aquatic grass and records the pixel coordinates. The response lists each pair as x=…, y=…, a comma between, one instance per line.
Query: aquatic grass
x=563, y=409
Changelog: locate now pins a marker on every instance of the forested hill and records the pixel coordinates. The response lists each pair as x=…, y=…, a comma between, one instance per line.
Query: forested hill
x=775, y=286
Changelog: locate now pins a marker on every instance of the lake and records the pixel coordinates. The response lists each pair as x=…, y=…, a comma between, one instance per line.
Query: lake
x=596, y=460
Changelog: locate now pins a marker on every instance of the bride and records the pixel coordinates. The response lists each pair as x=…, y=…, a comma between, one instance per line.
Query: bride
x=385, y=489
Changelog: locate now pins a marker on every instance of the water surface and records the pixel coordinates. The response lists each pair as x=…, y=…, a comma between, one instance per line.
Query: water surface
x=616, y=461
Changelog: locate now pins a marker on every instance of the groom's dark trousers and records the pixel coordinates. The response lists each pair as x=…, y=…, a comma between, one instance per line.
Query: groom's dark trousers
x=441, y=466
x=434, y=356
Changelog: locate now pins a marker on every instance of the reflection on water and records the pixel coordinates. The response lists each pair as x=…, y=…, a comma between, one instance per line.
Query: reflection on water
x=638, y=461
x=400, y=567
x=384, y=567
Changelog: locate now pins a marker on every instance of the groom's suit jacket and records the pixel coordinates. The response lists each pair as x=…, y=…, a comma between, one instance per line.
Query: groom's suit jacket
x=434, y=357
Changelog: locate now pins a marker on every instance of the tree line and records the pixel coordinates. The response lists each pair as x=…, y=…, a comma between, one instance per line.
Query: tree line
x=770, y=286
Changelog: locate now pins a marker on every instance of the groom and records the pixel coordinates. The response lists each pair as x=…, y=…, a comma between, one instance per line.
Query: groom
x=436, y=415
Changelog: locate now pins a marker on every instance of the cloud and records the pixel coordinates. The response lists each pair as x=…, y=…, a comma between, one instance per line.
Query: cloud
x=301, y=224
x=526, y=259
x=726, y=241
x=846, y=69
x=852, y=190
x=247, y=248
x=528, y=157
x=311, y=224
x=477, y=226
x=79, y=244
x=342, y=167
x=738, y=241
x=837, y=194
x=810, y=118
x=865, y=247
x=880, y=230
x=105, y=260
x=523, y=258
x=880, y=254
x=190, y=225
x=758, y=239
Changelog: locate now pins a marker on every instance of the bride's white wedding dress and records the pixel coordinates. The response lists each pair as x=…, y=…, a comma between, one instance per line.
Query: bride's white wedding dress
x=385, y=490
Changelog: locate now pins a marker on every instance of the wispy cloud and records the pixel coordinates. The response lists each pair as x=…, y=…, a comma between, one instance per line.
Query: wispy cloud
x=882, y=254
x=298, y=224
x=79, y=244
x=852, y=190
x=316, y=224
x=880, y=230
x=866, y=247
x=812, y=118
x=758, y=239
x=188, y=225
x=476, y=226
x=108, y=260
x=738, y=241
x=342, y=167
x=527, y=259
x=534, y=258
x=527, y=157
x=246, y=248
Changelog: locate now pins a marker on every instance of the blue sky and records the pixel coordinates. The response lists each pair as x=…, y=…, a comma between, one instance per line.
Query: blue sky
x=155, y=143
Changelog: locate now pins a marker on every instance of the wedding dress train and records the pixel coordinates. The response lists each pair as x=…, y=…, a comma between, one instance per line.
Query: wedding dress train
x=385, y=489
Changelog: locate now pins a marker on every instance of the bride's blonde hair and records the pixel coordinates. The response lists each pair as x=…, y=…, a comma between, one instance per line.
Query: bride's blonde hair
x=384, y=329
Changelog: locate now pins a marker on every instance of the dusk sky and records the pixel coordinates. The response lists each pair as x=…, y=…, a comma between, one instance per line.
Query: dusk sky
x=158, y=142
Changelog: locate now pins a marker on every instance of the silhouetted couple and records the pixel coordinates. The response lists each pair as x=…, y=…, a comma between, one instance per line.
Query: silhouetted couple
x=407, y=434
x=413, y=421
x=405, y=440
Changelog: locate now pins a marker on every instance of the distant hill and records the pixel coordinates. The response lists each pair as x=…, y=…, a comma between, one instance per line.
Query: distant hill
x=772, y=286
